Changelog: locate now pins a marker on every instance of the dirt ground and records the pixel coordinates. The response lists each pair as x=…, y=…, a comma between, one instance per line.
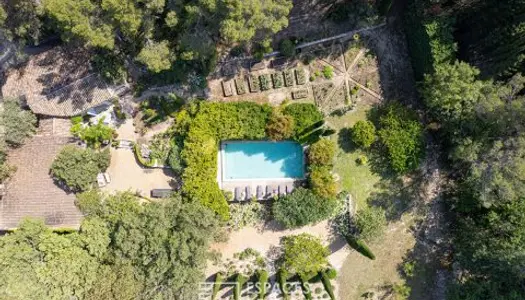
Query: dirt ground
x=268, y=237
x=360, y=274
x=127, y=175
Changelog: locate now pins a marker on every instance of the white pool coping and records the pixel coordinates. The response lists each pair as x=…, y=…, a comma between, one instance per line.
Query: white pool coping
x=221, y=174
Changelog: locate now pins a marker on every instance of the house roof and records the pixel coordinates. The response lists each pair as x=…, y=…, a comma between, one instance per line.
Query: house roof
x=31, y=192
x=57, y=82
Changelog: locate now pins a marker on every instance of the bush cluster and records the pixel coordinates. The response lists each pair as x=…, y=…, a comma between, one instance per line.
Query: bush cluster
x=320, y=156
x=364, y=134
x=78, y=168
x=301, y=208
x=305, y=116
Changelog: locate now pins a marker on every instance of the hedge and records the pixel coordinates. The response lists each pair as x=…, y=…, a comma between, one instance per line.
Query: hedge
x=219, y=278
x=305, y=288
x=430, y=40
x=142, y=161
x=327, y=285
x=305, y=115
x=360, y=247
x=282, y=275
x=209, y=123
x=263, y=279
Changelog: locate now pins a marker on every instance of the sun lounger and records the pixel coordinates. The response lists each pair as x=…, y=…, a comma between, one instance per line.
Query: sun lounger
x=248, y=193
x=260, y=192
x=289, y=188
x=282, y=190
x=238, y=194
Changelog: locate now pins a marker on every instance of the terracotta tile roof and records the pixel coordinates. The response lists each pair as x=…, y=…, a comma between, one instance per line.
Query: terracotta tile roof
x=31, y=191
x=57, y=82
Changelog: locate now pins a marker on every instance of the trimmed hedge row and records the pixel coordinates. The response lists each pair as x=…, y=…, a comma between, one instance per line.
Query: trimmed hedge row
x=282, y=276
x=240, y=280
x=360, y=247
x=327, y=285
x=219, y=278
x=263, y=279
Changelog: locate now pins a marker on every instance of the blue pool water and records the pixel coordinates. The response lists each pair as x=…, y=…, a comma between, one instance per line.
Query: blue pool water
x=252, y=160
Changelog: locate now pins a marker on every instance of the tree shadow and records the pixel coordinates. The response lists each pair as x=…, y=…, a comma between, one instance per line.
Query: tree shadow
x=395, y=196
x=344, y=139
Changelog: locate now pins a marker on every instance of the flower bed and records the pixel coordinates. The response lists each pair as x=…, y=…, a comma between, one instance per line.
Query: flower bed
x=265, y=82
x=300, y=75
x=255, y=86
x=278, y=80
x=288, y=78
x=241, y=87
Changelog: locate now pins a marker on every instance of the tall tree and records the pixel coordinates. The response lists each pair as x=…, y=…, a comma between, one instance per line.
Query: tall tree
x=80, y=19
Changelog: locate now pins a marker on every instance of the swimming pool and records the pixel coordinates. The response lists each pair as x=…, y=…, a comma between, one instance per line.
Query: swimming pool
x=261, y=160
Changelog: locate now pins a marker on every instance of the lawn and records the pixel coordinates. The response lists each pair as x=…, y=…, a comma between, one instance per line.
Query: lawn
x=359, y=180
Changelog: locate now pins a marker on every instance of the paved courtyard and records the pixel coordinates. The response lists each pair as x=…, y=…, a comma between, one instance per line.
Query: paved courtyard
x=127, y=175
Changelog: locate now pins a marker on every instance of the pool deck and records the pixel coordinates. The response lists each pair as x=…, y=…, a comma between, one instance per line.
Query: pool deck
x=231, y=184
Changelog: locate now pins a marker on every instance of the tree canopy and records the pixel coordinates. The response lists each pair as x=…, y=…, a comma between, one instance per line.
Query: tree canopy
x=78, y=168
x=304, y=254
x=124, y=250
x=19, y=124
x=303, y=207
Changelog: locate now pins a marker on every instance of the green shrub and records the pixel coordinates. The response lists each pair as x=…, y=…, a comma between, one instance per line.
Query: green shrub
x=364, y=133
x=78, y=168
x=369, y=223
x=240, y=280
x=219, y=278
x=401, y=291
x=327, y=285
x=76, y=120
x=328, y=72
x=282, y=276
x=287, y=48
x=362, y=160
x=321, y=153
x=331, y=273
x=17, y=123
x=302, y=207
x=304, y=115
x=305, y=288
x=318, y=290
x=138, y=155
x=262, y=276
x=265, y=82
x=322, y=182
x=278, y=80
x=359, y=246
x=402, y=135
x=174, y=158
x=279, y=126
x=304, y=254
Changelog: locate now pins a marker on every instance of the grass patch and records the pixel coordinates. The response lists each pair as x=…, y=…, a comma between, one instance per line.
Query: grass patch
x=359, y=180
